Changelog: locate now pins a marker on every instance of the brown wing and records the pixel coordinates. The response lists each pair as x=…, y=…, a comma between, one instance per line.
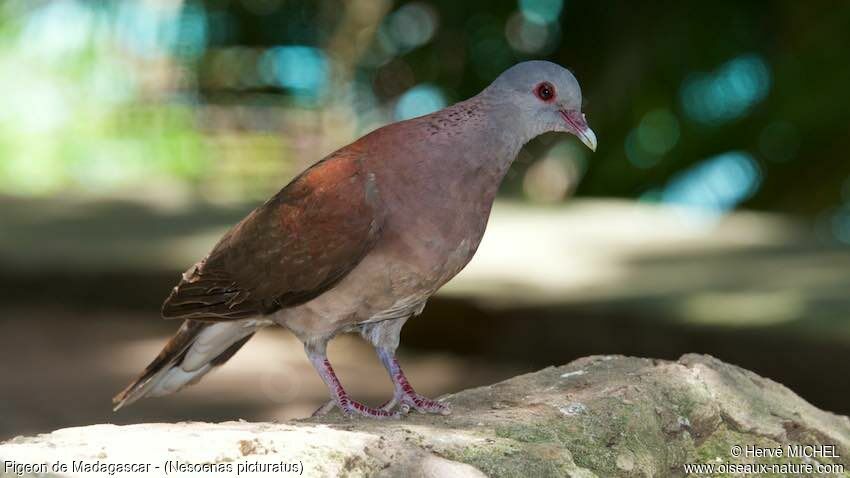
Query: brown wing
x=294, y=247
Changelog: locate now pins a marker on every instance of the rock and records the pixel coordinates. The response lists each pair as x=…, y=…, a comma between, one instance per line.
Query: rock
x=600, y=416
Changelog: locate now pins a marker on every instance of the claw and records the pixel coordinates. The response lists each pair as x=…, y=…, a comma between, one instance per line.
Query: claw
x=425, y=405
x=350, y=407
x=404, y=398
x=417, y=402
x=339, y=397
x=404, y=393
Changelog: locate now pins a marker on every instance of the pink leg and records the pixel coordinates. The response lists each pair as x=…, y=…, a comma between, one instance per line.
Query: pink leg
x=390, y=404
x=404, y=393
x=324, y=409
x=340, y=396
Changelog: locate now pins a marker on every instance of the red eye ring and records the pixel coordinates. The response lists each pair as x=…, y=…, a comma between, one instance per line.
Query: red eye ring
x=545, y=91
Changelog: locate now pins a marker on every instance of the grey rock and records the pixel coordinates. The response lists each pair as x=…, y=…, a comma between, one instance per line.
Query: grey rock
x=638, y=417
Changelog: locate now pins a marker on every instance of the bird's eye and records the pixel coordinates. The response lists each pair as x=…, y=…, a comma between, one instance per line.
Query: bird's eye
x=545, y=91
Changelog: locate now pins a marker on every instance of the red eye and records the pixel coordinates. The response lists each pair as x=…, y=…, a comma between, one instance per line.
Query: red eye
x=545, y=91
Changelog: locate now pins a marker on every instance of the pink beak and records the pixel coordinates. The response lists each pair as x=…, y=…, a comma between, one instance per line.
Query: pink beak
x=578, y=124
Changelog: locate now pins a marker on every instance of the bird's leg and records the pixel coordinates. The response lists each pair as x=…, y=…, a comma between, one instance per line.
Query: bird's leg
x=384, y=336
x=324, y=409
x=404, y=393
x=338, y=394
x=389, y=404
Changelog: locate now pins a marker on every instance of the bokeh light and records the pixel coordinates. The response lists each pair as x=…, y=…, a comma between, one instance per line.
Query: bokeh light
x=418, y=101
x=160, y=86
x=301, y=69
x=541, y=11
x=153, y=29
x=133, y=133
x=729, y=92
x=528, y=37
x=56, y=29
x=556, y=175
x=714, y=186
x=412, y=25
x=656, y=134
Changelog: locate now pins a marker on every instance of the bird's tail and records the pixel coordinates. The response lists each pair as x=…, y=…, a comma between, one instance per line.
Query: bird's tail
x=197, y=348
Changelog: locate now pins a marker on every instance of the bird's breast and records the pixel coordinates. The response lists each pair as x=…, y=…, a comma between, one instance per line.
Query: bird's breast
x=437, y=238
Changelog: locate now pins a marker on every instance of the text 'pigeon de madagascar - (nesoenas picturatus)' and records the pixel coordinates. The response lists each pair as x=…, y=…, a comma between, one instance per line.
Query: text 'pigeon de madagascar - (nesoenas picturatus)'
x=360, y=240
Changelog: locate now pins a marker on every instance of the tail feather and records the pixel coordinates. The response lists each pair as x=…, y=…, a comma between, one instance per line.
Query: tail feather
x=195, y=349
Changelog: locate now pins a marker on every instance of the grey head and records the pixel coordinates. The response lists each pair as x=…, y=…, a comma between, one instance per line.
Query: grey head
x=541, y=96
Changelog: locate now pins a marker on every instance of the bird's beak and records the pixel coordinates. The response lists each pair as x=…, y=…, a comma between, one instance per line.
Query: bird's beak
x=588, y=137
x=579, y=127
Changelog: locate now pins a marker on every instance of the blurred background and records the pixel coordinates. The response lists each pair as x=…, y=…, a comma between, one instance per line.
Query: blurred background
x=714, y=218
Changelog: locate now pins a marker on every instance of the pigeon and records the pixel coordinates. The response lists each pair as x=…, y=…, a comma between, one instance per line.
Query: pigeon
x=359, y=241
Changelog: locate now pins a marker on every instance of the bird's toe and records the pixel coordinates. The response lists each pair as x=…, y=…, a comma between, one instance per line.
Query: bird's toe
x=389, y=404
x=426, y=405
x=352, y=408
x=324, y=409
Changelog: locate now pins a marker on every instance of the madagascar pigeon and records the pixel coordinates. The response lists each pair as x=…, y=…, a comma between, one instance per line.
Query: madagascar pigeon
x=360, y=240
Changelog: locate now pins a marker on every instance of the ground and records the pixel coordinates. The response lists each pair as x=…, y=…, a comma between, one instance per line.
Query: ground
x=599, y=416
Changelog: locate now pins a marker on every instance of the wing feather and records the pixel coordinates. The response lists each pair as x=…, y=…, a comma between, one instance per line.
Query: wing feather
x=291, y=249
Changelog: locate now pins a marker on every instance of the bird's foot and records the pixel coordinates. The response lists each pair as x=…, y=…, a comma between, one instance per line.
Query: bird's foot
x=324, y=409
x=405, y=396
x=349, y=408
x=339, y=397
x=413, y=400
x=424, y=404
x=389, y=404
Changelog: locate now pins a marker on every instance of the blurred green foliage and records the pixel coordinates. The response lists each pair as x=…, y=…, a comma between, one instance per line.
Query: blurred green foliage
x=228, y=99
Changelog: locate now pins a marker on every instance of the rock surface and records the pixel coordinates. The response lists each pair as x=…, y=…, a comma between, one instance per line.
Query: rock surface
x=600, y=416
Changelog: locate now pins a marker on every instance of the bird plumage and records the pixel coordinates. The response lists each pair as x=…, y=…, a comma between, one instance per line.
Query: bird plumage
x=362, y=239
x=289, y=250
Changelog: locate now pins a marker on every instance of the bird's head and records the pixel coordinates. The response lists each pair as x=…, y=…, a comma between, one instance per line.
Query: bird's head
x=546, y=97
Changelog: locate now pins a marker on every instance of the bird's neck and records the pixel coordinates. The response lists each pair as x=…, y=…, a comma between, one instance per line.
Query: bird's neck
x=459, y=154
x=489, y=137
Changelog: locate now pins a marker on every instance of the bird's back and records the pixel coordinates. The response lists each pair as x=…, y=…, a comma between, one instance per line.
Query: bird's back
x=291, y=249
